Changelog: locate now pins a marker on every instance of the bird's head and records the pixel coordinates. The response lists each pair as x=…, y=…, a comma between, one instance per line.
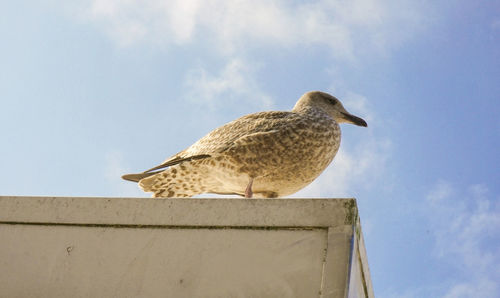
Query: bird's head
x=330, y=105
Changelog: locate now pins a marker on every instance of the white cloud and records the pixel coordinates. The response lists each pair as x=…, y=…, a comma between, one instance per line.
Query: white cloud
x=234, y=84
x=345, y=27
x=356, y=166
x=358, y=169
x=114, y=168
x=478, y=288
x=465, y=223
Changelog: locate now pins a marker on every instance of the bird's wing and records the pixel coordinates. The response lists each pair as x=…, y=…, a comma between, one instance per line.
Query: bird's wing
x=175, y=160
x=222, y=138
x=136, y=177
x=169, y=162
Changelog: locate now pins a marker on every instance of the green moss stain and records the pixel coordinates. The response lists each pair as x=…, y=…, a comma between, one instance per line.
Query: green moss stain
x=351, y=215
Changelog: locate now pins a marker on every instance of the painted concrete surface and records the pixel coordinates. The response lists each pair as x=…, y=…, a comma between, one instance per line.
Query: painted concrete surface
x=131, y=247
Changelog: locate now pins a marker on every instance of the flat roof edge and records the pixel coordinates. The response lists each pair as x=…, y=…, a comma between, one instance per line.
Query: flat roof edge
x=180, y=212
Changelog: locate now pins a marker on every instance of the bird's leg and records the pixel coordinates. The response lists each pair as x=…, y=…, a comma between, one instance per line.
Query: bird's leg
x=248, y=190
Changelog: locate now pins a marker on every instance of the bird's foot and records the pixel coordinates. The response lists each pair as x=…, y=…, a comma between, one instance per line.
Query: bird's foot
x=248, y=190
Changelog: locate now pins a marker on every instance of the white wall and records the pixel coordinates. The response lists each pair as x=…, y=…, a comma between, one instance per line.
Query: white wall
x=130, y=247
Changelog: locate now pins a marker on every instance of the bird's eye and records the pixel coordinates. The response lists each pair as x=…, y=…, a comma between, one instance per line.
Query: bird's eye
x=332, y=101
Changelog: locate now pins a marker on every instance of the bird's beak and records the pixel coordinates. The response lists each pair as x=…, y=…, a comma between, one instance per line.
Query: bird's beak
x=354, y=120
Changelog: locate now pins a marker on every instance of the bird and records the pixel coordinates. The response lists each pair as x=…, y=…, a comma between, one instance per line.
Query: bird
x=267, y=154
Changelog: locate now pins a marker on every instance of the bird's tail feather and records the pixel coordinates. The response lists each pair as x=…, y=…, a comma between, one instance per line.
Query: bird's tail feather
x=137, y=177
x=183, y=180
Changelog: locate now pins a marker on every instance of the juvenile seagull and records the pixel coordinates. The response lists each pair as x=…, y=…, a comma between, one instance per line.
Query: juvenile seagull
x=264, y=155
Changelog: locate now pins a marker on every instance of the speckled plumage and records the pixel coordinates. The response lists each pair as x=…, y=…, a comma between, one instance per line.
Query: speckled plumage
x=275, y=153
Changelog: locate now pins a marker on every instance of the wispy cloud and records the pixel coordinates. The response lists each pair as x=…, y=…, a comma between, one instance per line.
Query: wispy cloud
x=114, y=168
x=233, y=29
x=350, y=170
x=465, y=223
x=355, y=167
x=234, y=84
x=345, y=27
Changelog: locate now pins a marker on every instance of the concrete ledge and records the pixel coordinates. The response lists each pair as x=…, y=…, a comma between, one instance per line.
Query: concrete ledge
x=179, y=212
x=138, y=247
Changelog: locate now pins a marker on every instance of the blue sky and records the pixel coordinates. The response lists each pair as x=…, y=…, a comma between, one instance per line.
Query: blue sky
x=90, y=90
